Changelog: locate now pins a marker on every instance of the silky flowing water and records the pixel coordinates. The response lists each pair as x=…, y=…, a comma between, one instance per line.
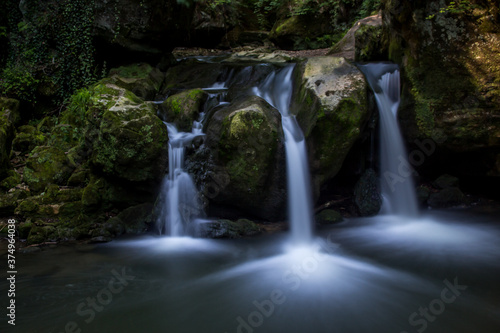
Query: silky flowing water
x=397, y=186
x=277, y=90
x=363, y=275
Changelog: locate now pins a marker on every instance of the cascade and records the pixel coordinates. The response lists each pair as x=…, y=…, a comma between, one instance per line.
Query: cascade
x=179, y=199
x=277, y=90
x=397, y=186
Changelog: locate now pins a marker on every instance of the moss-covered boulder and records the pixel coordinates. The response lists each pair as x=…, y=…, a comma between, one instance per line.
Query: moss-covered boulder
x=183, y=108
x=332, y=109
x=27, y=138
x=128, y=140
x=102, y=194
x=13, y=178
x=136, y=219
x=141, y=79
x=55, y=203
x=46, y=165
x=10, y=201
x=11, y=109
x=245, y=159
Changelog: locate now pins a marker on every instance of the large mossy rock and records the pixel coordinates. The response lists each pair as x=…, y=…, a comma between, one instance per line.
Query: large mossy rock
x=27, y=138
x=332, y=109
x=134, y=220
x=183, y=108
x=299, y=32
x=46, y=165
x=9, y=116
x=141, y=79
x=129, y=140
x=244, y=168
x=451, y=79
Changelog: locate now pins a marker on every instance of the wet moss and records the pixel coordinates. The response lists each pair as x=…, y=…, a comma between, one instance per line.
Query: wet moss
x=183, y=108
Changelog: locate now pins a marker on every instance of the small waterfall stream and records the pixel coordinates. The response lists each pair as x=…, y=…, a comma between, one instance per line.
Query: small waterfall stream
x=179, y=198
x=178, y=194
x=277, y=90
x=398, y=189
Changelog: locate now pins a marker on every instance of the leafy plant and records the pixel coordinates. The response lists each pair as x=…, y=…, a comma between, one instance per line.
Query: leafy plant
x=456, y=7
x=18, y=82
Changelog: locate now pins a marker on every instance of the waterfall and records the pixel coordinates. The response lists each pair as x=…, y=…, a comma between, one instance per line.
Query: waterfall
x=398, y=189
x=179, y=196
x=277, y=90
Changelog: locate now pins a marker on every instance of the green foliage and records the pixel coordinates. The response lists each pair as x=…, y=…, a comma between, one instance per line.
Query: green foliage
x=456, y=7
x=50, y=49
x=216, y=3
x=266, y=11
x=18, y=82
x=74, y=45
x=77, y=107
x=368, y=8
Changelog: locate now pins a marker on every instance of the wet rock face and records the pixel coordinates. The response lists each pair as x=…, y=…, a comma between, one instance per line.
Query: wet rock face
x=451, y=77
x=246, y=143
x=331, y=107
